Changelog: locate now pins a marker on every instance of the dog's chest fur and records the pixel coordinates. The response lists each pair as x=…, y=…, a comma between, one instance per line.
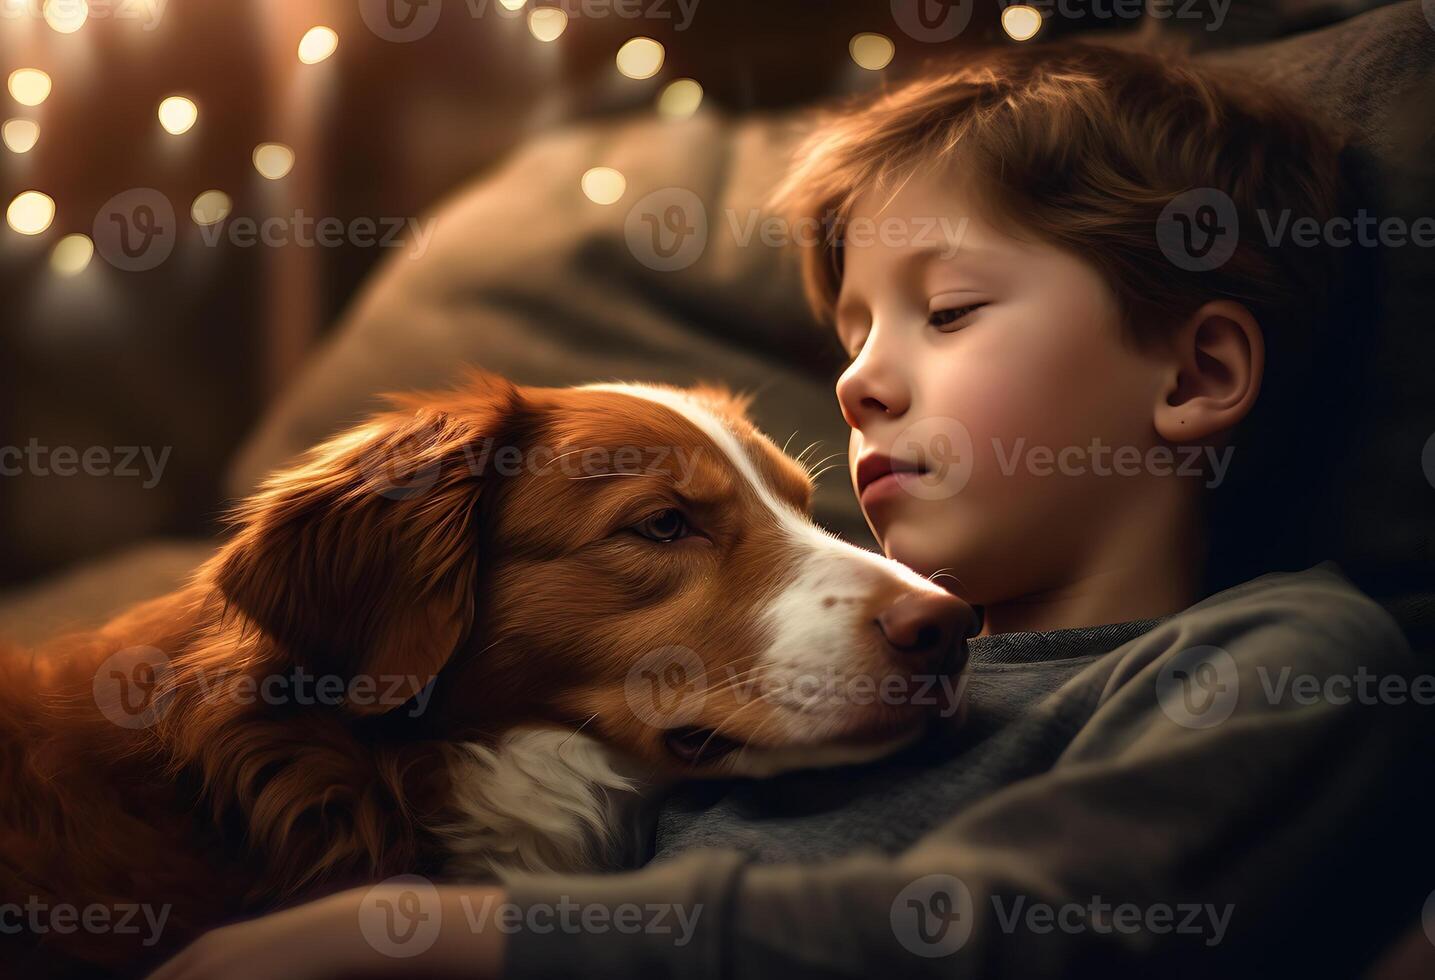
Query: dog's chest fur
x=542, y=800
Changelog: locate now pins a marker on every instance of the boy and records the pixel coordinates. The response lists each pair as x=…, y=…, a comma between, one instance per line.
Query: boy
x=1070, y=417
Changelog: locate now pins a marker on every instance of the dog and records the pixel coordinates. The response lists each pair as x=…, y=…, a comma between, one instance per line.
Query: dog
x=459, y=639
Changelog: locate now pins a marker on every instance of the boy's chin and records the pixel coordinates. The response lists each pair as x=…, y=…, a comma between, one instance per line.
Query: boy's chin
x=957, y=558
x=918, y=551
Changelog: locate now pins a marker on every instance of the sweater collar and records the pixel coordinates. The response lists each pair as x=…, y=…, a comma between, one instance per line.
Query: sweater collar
x=1030, y=648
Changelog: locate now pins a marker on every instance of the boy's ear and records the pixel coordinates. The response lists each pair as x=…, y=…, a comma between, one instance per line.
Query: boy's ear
x=360, y=561
x=1216, y=361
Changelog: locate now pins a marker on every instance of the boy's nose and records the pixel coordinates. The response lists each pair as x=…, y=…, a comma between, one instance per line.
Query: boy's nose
x=866, y=392
x=929, y=626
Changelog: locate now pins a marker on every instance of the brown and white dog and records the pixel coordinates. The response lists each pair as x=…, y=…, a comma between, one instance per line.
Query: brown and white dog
x=446, y=642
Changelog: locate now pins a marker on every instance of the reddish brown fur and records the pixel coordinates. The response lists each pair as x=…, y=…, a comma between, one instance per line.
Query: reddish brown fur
x=224, y=808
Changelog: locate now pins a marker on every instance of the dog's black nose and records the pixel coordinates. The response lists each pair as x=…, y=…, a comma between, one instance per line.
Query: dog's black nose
x=928, y=625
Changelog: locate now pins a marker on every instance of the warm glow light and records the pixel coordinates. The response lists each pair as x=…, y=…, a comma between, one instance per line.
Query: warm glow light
x=642, y=57
x=680, y=99
x=29, y=86
x=512, y=4
x=21, y=135
x=273, y=160
x=31, y=213
x=178, y=115
x=547, y=23
x=872, y=51
x=1021, y=22
x=72, y=255
x=211, y=207
x=318, y=44
x=604, y=185
x=66, y=16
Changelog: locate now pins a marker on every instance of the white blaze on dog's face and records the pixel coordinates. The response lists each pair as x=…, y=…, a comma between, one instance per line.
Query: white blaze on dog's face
x=648, y=571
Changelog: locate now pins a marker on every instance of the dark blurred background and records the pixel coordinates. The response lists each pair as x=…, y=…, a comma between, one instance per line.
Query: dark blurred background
x=183, y=357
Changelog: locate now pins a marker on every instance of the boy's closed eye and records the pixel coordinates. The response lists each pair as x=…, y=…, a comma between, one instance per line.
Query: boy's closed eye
x=945, y=318
x=949, y=318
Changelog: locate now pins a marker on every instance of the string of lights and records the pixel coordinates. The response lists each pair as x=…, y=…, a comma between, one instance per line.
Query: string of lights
x=32, y=212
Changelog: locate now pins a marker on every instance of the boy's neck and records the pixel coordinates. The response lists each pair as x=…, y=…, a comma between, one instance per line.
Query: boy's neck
x=1145, y=569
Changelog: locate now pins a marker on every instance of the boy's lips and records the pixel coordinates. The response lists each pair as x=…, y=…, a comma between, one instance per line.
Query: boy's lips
x=877, y=475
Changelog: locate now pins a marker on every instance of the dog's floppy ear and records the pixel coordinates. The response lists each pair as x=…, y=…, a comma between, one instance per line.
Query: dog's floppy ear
x=360, y=561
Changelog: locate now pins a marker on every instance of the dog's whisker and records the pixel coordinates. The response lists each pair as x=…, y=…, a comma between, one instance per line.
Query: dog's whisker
x=598, y=476
x=725, y=721
x=807, y=449
x=936, y=575
x=571, y=452
x=738, y=679
x=577, y=730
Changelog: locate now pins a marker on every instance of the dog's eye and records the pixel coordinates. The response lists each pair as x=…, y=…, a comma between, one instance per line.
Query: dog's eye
x=664, y=526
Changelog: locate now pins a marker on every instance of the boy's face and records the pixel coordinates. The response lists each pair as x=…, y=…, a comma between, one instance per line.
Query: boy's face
x=991, y=367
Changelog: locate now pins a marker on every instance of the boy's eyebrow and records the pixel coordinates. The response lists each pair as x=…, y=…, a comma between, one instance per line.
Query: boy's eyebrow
x=949, y=252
